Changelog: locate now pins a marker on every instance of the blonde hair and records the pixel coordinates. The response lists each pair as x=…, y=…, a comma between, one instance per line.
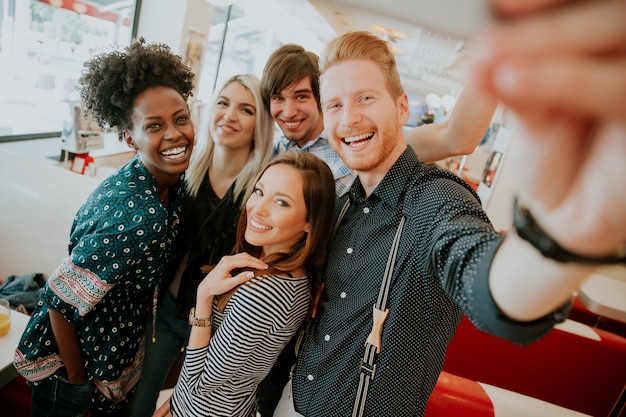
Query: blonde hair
x=260, y=150
x=363, y=46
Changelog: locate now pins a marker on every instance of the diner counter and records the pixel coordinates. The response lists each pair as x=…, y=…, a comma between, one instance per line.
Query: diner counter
x=8, y=344
x=40, y=198
x=112, y=155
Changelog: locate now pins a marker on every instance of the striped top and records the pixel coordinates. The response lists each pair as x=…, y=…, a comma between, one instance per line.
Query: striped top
x=221, y=379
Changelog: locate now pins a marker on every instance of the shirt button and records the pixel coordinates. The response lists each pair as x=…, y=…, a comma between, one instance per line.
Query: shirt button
x=350, y=250
x=327, y=337
x=343, y=295
x=366, y=210
x=309, y=377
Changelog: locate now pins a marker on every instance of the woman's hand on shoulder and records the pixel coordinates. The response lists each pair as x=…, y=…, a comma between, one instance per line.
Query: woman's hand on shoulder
x=221, y=280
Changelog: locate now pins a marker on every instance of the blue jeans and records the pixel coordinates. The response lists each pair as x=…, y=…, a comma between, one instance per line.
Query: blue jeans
x=172, y=335
x=58, y=397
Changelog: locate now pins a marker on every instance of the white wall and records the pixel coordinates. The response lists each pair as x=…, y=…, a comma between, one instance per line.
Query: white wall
x=169, y=21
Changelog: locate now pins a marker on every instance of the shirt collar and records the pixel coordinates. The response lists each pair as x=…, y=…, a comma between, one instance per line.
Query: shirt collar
x=391, y=187
x=290, y=143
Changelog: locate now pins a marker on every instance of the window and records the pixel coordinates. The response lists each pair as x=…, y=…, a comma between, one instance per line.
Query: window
x=244, y=34
x=43, y=44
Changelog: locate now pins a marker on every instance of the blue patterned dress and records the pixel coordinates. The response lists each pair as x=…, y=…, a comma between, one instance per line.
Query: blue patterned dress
x=119, y=243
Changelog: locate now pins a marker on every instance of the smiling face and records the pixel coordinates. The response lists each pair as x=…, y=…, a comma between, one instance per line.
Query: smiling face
x=234, y=117
x=276, y=211
x=297, y=112
x=162, y=133
x=363, y=121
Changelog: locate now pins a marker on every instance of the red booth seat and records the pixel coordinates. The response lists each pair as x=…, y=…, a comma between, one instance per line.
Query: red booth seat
x=574, y=366
x=455, y=396
x=15, y=397
x=582, y=314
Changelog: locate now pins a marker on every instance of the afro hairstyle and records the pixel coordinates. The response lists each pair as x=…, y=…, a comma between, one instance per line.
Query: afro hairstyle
x=111, y=81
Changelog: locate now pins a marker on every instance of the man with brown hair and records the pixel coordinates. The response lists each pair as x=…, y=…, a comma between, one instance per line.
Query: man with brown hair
x=290, y=88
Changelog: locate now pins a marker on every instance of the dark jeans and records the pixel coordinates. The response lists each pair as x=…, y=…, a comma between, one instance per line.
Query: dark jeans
x=58, y=397
x=172, y=335
x=271, y=388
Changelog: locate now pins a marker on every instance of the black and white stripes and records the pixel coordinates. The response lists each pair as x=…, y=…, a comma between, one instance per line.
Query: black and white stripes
x=261, y=317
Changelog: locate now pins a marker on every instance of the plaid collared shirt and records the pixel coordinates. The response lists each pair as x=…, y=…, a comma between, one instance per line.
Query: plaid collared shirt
x=320, y=147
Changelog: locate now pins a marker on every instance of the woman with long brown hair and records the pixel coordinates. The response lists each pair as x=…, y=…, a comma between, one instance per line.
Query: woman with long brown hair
x=253, y=302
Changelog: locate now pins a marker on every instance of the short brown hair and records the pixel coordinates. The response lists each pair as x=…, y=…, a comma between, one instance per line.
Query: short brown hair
x=364, y=46
x=287, y=65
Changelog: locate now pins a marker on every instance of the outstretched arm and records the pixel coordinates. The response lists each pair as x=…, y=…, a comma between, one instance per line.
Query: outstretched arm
x=567, y=93
x=460, y=133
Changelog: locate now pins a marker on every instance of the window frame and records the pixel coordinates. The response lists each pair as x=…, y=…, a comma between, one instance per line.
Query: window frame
x=57, y=133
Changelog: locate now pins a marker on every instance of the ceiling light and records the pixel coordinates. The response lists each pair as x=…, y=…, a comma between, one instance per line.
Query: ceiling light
x=433, y=100
x=395, y=50
x=389, y=34
x=448, y=101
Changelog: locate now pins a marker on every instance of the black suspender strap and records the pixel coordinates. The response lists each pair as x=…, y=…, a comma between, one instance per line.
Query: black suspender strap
x=367, y=368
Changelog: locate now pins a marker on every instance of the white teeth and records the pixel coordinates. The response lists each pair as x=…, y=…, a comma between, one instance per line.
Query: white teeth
x=292, y=124
x=173, y=152
x=351, y=139
x=259, y=226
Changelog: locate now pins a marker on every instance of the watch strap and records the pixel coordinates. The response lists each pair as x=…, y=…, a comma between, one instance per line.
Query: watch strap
x=528, y=229
x=197, y=321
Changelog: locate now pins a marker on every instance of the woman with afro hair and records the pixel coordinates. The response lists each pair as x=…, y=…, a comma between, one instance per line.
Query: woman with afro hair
x=83, y=347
